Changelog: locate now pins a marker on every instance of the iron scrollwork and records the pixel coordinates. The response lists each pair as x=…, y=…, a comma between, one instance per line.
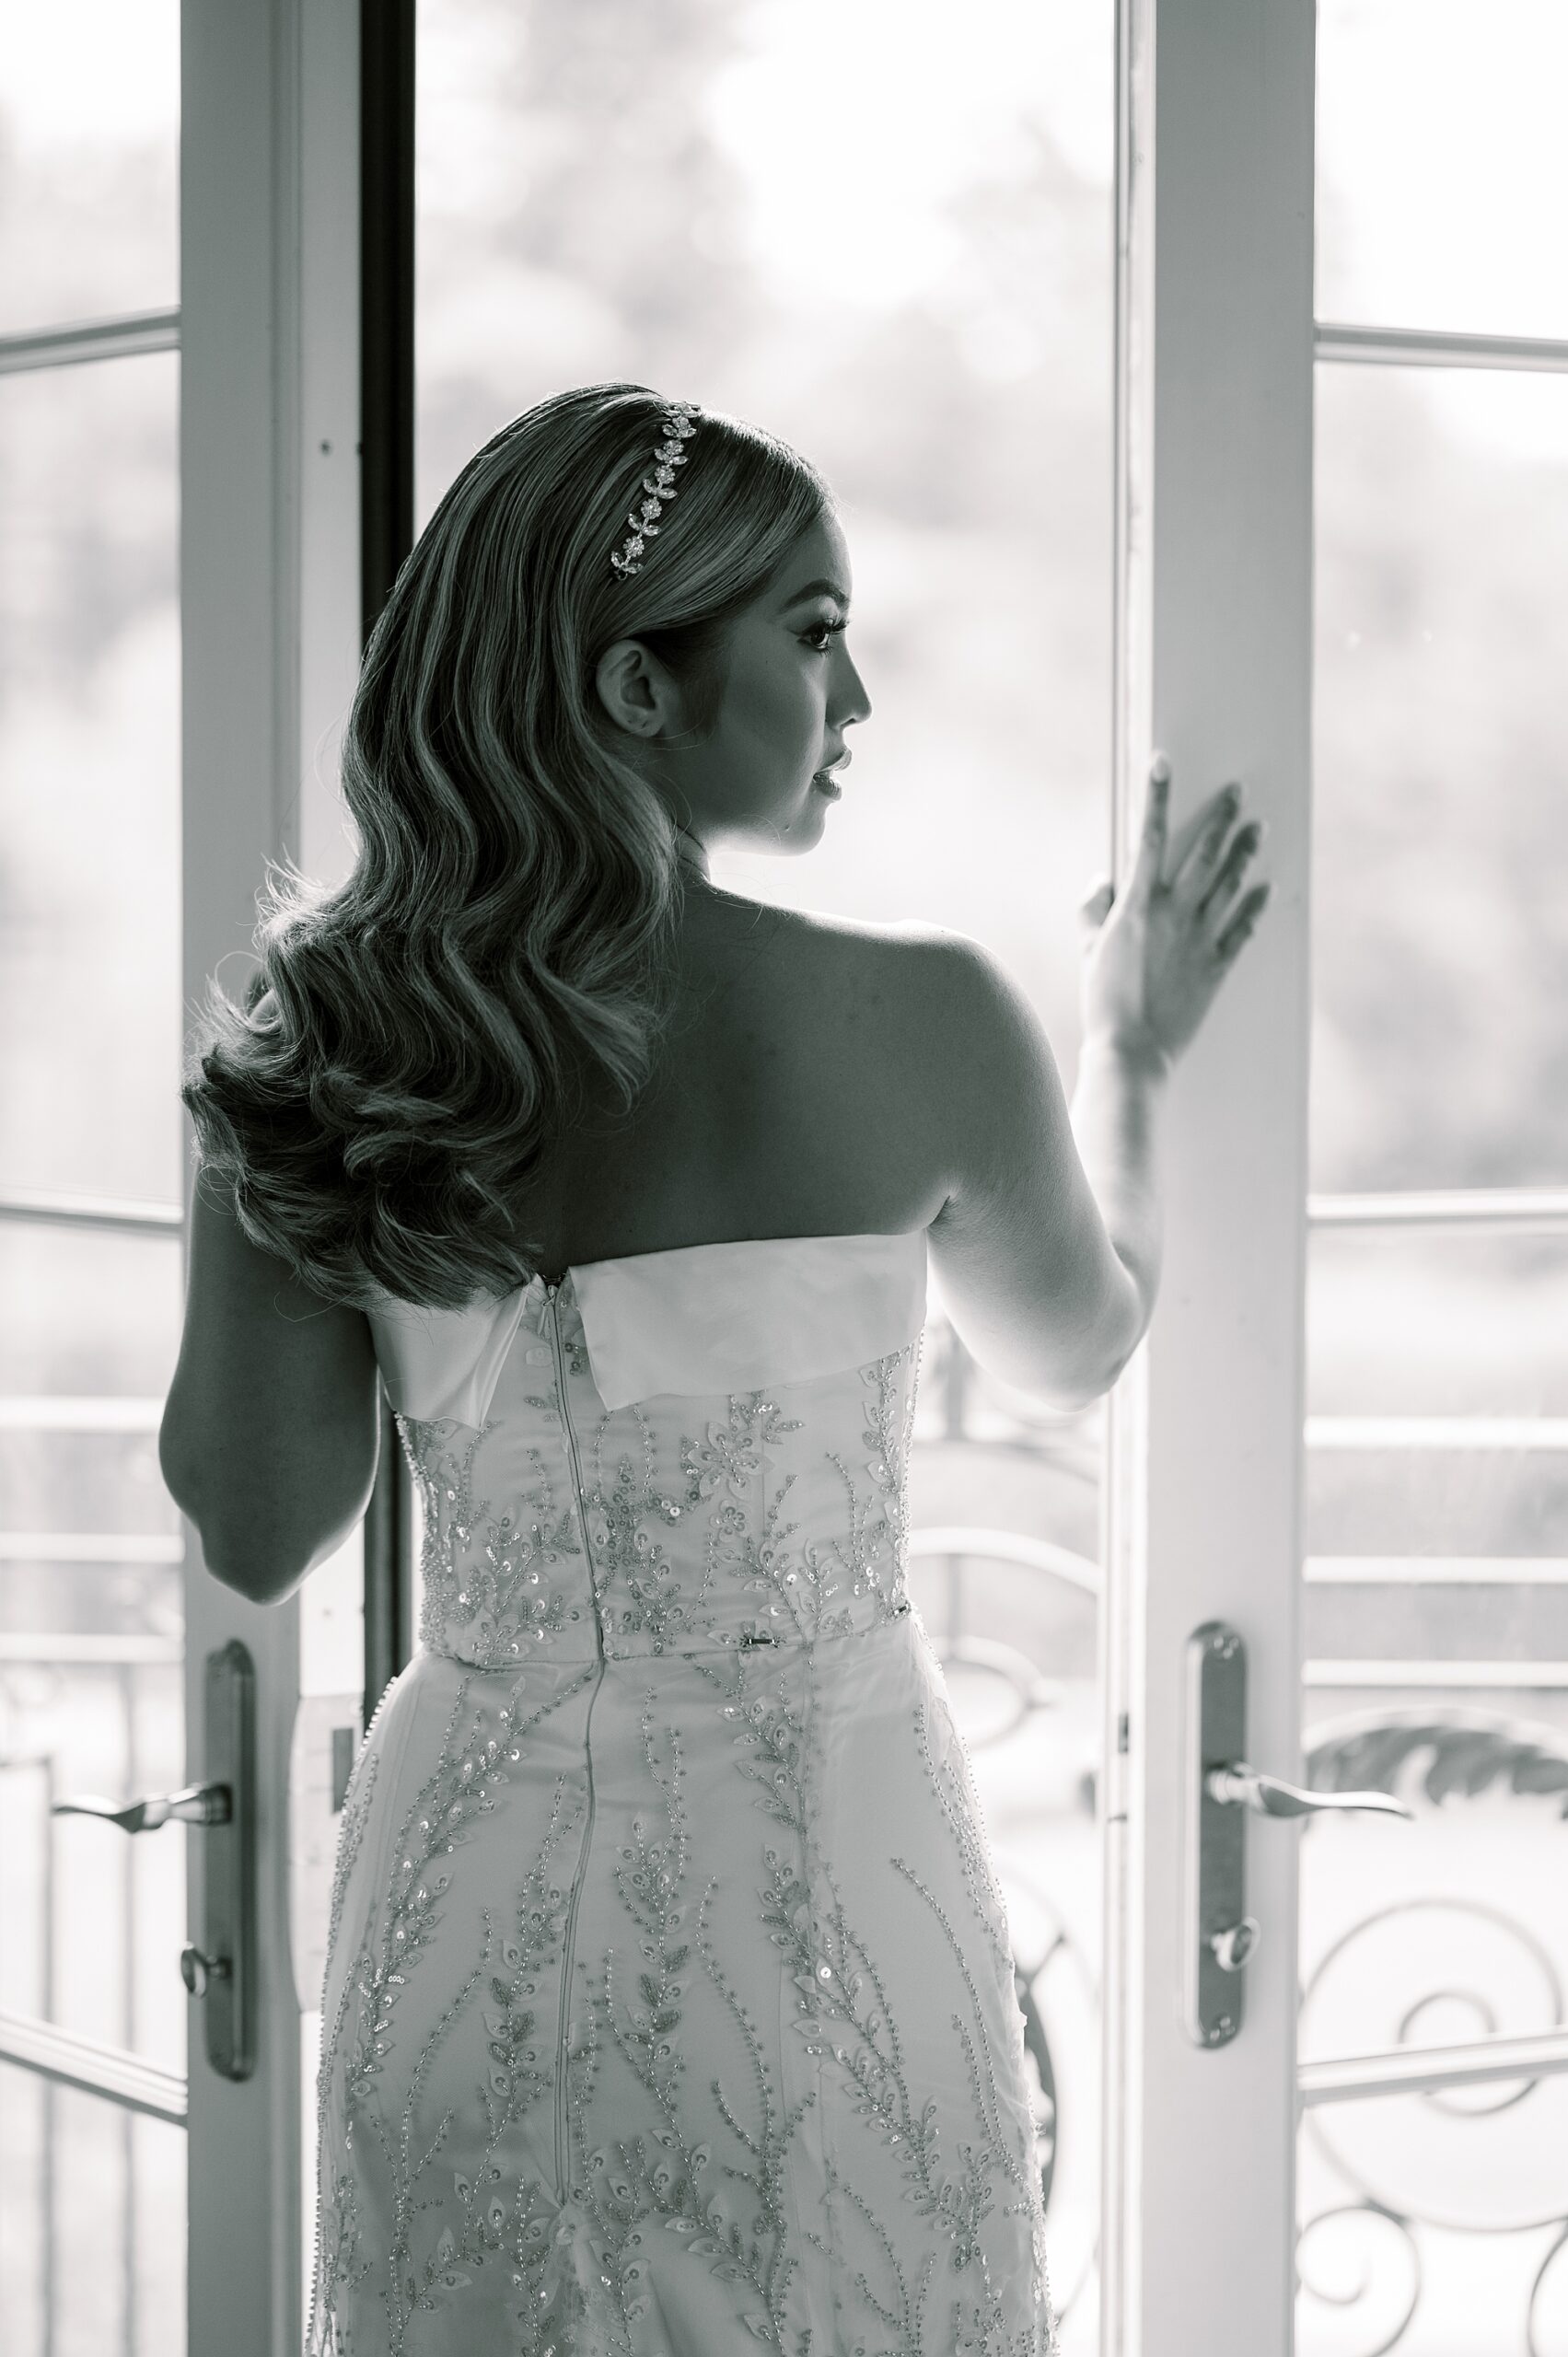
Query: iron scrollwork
x=1468, y=1753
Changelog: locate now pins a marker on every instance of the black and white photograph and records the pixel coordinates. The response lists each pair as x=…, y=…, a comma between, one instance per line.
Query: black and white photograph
x=784, y=1179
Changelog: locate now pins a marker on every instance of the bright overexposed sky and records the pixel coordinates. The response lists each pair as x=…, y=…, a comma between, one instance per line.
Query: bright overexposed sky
x=1440, y=140
x=1441, y=122
x=1441, y=147
x=854, y=121
x=84, y=70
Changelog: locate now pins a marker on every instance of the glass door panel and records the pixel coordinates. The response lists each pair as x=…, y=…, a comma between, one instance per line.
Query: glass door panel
x=1440, y=868
x=1422, y=1320
x=1442, y=175
x=92, y=2141
x=89, y=127
x=913, y=283
x=92, y=2008
x=89, y=753
x=92, y=2147
x=95, y=2224
x=1433, y=2205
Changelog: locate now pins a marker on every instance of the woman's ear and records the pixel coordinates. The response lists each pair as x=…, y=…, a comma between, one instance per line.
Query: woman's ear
x=636, y=690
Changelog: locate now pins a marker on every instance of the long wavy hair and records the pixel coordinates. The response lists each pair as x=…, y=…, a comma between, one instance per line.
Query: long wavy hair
x=417, y=1035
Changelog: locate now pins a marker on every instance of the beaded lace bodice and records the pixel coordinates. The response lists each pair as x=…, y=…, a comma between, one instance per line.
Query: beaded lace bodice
x=704, y=1446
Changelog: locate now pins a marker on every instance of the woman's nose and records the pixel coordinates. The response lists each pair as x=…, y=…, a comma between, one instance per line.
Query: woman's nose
x=853, y=703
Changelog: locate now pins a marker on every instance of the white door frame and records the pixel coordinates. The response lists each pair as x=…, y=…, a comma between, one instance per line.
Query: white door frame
x=1214, y=381
x=1214, y=373
x=270, y=593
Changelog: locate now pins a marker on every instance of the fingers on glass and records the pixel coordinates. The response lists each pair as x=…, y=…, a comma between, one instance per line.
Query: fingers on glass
x=1203, y=855
x=1233, y=868
x=1151, y=843
x=1241, y=924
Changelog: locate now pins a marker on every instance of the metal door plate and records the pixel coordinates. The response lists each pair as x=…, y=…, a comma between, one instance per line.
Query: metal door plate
x=1213, y=1877
x=229, y=1863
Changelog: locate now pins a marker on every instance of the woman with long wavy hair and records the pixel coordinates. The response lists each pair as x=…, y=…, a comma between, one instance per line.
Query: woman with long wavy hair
x=669, y=2007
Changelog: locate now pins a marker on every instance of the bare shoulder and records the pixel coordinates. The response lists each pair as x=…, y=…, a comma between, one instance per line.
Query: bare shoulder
x=822, y=1029
x=923, y=1075
x=902, y=984
x=891, y=966
x=872, y=995
x=840, y=978
x=907, y=956
x=921, y=989
x=1021, y=1254
x=949, y=999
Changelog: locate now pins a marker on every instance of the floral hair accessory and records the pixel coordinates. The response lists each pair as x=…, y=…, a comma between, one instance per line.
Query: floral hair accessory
x=658, y=487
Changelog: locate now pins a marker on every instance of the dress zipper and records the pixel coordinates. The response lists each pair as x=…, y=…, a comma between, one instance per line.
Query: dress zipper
x=569, y=1941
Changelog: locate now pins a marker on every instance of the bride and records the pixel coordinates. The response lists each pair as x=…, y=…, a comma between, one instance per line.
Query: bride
x=669, y=2007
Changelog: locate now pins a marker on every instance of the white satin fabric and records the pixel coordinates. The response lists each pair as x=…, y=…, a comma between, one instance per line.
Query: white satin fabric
x=702, y=1318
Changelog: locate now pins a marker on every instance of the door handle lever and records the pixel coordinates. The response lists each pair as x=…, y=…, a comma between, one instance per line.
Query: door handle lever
x=1220, y=1788
x=221, y=1970
x=1248, y=1787
x=193, y=1804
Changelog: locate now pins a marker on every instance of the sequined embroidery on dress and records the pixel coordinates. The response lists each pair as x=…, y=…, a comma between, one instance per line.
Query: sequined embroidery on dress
x=668, y=2009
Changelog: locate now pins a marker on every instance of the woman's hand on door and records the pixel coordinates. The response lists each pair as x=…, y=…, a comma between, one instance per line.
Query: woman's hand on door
x=1155, y=955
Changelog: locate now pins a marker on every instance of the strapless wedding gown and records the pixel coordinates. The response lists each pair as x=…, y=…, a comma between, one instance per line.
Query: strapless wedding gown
x=669, y=2007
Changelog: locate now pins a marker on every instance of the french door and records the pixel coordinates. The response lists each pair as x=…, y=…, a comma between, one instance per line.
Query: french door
x=93, y=2096
x=201, y=514
x=1336, y=2030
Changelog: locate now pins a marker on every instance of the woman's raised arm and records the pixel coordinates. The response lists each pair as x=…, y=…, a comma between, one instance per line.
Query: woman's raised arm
x=271, y=1429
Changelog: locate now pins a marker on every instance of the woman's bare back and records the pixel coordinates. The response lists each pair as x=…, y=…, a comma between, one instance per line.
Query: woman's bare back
x=787, y=1100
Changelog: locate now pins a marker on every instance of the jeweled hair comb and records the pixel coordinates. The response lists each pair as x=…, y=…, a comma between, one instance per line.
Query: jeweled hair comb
x=658, y=487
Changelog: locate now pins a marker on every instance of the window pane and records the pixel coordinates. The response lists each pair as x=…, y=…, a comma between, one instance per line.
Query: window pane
x=1440, y=886
x=91, y=1634
x=90, y=779
x=1434, y=1630
x=87, y=1312
x=1442, y=168
x=1437, y=1469
x=1436, y=1502
x=89, y=161
x=93, y=2195
x=1407, y=1322
x=95, y=2224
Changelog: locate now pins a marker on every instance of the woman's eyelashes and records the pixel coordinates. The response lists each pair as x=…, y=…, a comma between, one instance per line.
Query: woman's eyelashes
x=827, y=631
